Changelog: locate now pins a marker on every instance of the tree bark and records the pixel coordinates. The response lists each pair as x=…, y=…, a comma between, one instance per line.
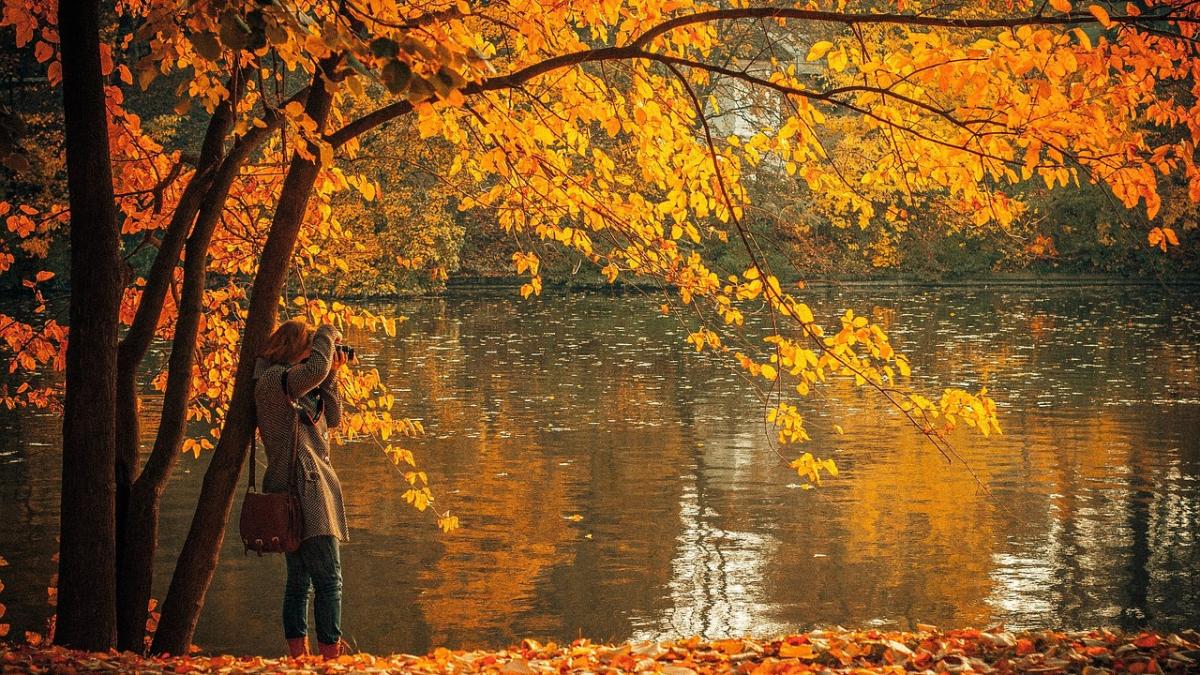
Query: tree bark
x=200, y=191
x=86, y=569
x=141, y=527
x=137, y=339
x=201, y=550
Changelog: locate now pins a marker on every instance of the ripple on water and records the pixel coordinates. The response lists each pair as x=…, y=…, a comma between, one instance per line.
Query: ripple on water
x=613, y=483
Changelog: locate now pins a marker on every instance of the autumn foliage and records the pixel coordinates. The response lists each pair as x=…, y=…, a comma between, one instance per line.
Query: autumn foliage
x=593, y=130
x=927, y=649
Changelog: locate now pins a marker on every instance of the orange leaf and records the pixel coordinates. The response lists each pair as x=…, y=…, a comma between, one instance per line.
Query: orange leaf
x=1147, y=641
x=796, y=651
x=42, y=52
x=1157, y=238
x=729, y=647
x=1101, y=15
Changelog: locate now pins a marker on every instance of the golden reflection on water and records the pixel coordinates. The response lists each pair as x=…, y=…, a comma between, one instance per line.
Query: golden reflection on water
x=1083, y=513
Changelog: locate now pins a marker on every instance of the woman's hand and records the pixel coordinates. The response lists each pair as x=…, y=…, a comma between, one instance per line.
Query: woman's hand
x=339, y=359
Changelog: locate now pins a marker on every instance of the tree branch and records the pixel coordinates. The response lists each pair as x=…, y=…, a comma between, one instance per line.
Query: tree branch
x=635, y=49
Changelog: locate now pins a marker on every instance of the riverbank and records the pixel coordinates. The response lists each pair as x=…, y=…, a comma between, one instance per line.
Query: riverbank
x=554, y=283
x=566, y=282
x=861, y=652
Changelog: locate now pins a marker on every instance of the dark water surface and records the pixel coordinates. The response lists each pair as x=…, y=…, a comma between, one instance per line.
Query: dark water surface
x=594, y=405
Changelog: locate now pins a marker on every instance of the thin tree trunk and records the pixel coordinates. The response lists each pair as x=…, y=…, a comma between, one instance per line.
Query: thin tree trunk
x=131, y=618
x=137, y=339
x=87, y=546
x=133, y=346
x=141, y=526
x=198, y=560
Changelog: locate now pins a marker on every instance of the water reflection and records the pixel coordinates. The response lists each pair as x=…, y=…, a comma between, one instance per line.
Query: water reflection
x=1084, y=512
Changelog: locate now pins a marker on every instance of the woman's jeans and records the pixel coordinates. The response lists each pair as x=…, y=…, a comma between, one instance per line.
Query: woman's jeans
x=315, y=565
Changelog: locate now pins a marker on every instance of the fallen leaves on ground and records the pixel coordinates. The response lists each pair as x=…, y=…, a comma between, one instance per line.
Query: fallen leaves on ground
x=927, y=650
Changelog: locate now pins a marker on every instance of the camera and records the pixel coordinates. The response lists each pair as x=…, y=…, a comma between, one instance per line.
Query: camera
x=346, y=351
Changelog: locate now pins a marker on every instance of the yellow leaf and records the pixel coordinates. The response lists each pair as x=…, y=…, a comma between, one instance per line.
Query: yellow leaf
x=838, y=429
x=1084, y=38
x=804, y=313
x=838, y=60
x=1063, y=6
x=769, y=372
x=818, y=50
x=830, y=467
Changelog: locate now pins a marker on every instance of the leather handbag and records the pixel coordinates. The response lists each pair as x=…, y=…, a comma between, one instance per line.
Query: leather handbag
x=271, y=522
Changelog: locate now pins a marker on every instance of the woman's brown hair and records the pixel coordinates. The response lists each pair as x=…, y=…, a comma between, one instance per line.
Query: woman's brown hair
x=288, y=342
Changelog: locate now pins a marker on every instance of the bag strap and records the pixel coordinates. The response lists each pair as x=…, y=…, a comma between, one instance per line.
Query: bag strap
x=253, y=462
x=293, y=482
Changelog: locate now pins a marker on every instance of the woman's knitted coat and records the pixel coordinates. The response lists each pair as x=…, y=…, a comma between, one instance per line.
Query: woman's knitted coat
x=320, y=490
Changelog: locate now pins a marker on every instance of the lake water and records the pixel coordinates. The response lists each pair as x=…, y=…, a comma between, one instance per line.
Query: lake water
x=592, y=405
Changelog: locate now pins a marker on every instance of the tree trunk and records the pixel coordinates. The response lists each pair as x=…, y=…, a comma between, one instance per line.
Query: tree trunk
x=201, y=550
x=141, y=528
x=130, y=353
x=134, y=539
x=136, y=341
x=86, y=568
x=136, y=568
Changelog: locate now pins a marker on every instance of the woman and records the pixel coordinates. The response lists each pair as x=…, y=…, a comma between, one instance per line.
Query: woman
x=306, y=363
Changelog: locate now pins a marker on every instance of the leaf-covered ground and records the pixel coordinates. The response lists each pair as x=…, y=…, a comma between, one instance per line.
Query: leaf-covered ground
x=926, y=650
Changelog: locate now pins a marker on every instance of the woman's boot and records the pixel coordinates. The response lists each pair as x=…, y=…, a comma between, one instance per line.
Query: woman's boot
x=330, y=652
x=297, y=647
